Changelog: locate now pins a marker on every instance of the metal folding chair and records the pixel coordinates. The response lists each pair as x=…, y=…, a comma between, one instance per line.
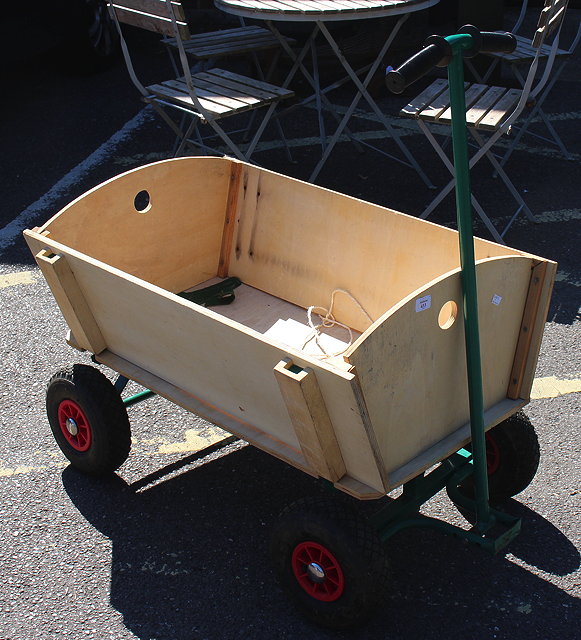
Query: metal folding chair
x=522, y=55
x=490, y=110
x=245, y=40
x=203, y=98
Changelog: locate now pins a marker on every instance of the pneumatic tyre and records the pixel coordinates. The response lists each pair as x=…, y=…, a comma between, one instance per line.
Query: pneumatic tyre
x=329, y=562
x=512, y=459
x=88, y=419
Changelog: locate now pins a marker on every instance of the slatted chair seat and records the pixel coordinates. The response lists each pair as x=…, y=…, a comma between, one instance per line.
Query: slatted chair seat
x=221, y=93
x=492, y=111
x=487, y=106
x=525, y=52
x=207, y=96
x=228, y=42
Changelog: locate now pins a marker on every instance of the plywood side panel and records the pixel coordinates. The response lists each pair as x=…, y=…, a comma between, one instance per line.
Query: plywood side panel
x=300, y=242
x=175, y=242
x=413, y=372
x=228, y=366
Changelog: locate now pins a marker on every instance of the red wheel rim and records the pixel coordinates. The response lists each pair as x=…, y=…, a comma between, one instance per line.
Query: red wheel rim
x=74, y=425
x=318, y=571
x=492, y=455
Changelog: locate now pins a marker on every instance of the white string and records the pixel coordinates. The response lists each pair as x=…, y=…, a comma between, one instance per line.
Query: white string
x=328, y=321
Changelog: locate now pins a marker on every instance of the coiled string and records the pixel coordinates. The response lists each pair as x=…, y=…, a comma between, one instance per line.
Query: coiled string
x=327, y=320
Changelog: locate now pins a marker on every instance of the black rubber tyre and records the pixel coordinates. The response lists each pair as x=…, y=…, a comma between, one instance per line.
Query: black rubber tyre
x=88, y=419
x=330, y=563
x=513, y=455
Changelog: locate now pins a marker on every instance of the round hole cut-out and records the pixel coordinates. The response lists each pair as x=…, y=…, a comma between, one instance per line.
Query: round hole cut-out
x=142, y=202
x=448, y=314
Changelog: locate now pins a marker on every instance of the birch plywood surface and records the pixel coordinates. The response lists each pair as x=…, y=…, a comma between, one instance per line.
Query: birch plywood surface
x=413, y=372
x=227, y=367
x=300, y=242
x=174, y=243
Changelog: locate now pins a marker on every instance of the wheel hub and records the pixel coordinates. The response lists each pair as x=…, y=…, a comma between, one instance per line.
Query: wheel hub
x=72, y=427
x=315, y=572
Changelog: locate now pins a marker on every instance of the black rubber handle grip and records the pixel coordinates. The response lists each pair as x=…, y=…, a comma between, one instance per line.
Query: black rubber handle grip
x=417, y=66
x=488, y=41
x=497, y=42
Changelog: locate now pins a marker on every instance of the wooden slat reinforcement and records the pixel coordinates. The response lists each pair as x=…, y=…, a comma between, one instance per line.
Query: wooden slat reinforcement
x=310, y=419
x=525, y=338
x=71, y=301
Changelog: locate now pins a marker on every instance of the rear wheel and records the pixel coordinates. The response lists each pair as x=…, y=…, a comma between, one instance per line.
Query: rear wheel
x=512, y=459
x=329, y=562
x=88, y=419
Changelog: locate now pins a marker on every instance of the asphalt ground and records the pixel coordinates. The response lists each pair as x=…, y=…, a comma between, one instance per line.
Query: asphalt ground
x=175, y=546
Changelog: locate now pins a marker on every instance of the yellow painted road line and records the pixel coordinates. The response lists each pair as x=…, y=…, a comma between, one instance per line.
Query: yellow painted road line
x=12, y=279
x=552, y=387
x=194, y=442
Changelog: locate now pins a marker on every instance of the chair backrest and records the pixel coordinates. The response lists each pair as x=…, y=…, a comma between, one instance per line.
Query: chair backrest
x=550, y=21
x=165, y=17
x=153, y=15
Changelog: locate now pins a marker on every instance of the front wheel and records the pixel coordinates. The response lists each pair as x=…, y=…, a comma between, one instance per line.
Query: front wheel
x=329, y=562
x=88, y=419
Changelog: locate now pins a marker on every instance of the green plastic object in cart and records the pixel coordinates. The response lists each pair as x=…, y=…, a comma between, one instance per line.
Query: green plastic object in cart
x=450, y=51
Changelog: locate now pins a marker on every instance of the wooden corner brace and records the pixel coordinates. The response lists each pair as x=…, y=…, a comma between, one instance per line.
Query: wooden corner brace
x=526, y=335
x=308, y=414
x=71, y=301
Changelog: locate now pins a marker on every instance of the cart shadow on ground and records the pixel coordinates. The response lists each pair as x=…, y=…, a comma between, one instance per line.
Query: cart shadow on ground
x=206, y=531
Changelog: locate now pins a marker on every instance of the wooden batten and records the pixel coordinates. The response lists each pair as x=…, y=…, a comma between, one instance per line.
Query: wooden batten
x=526, y=334
x=71, y=301
x=310, y=419
x=230, y=219
x=531, y=332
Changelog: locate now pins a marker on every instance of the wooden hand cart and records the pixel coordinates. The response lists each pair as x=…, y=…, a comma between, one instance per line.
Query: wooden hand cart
x=368, y=417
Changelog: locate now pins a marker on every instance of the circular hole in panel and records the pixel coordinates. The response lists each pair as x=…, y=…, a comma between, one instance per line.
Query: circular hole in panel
x=448, y=314
x=142, y=202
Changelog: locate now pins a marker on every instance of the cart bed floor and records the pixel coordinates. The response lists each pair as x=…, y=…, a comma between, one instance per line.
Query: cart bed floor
x=280, y=320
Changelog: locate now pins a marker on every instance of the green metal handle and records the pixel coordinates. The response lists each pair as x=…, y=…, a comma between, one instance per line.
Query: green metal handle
x=460, y=43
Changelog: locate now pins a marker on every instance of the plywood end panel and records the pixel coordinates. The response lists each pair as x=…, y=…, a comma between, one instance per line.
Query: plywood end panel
x=412, y=364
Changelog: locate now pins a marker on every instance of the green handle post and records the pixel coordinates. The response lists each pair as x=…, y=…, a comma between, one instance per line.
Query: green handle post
x=459, y=43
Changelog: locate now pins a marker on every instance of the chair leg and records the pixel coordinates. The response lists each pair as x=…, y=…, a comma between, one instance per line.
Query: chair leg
x=502, y=173
x=487, y=221
x=362, y=92
x=319, y=94
x=260, y=130
x=537, y=109
x=484, y=150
